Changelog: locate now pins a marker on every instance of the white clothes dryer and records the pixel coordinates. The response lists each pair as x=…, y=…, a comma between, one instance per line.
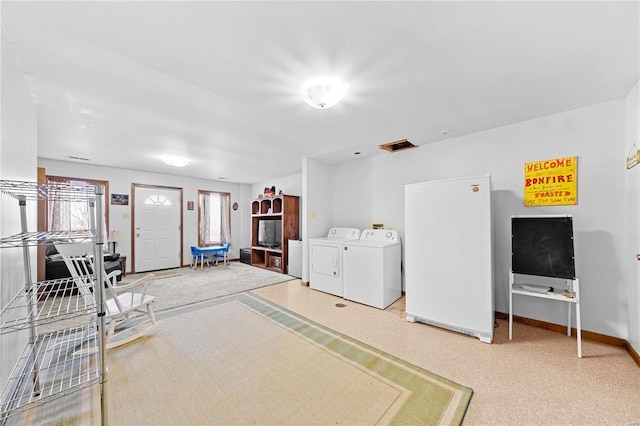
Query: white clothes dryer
x=372, y=268
x=326, y=259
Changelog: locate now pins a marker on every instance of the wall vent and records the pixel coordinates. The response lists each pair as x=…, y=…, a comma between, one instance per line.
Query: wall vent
x=396, y=146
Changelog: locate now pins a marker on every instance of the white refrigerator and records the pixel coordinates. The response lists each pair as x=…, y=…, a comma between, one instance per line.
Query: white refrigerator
x=449, y=255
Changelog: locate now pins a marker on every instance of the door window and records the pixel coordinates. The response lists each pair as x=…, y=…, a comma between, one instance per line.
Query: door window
x=157, y=200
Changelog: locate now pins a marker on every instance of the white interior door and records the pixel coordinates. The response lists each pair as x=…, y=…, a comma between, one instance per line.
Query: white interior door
x=156, y=228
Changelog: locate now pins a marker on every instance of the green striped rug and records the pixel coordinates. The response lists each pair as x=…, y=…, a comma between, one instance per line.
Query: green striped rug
x=244, y=360
x=427, y=399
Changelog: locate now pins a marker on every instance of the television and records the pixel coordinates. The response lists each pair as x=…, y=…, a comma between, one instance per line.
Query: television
x=543, y=246
x=270, y=233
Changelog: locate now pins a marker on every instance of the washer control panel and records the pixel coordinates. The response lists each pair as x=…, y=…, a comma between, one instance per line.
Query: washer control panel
x=379, y=235
x=343, y=234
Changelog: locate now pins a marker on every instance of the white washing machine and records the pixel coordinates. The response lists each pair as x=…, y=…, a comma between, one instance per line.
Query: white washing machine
x=326, y=259
x=372, y=268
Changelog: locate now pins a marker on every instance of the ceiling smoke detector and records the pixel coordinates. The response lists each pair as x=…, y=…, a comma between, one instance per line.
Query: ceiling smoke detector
x=396, y=146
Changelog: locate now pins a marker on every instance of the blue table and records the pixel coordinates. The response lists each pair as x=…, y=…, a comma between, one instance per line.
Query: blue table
x=200, y=252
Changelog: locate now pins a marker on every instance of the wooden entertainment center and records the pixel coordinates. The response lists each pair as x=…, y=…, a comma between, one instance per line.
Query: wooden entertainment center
x=274, y=221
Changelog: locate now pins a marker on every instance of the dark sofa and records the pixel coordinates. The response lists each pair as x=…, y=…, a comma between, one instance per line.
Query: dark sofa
x=55, y=268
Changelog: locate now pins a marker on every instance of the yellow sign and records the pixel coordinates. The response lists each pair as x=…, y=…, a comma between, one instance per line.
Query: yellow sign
x=551, y=182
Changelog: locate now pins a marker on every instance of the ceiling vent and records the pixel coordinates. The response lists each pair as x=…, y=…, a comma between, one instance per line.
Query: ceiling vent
x=396, y=146
x=73, y=157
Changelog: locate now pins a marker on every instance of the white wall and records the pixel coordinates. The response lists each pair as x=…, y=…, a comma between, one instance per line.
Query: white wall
x=290, y=185
x=18, y=144
x=317, y=206
x=357, y=187
x=120, y=181
x=373, y=190
x=632, y=197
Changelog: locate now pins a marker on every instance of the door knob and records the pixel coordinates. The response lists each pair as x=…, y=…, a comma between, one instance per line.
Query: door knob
x=137, y=234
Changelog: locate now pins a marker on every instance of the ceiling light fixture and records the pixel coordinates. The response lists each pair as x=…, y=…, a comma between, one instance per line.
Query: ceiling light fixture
x=174, y=161
x=323, y=92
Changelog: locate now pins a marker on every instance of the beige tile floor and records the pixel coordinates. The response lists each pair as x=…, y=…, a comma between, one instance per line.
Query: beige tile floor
x=534, y=379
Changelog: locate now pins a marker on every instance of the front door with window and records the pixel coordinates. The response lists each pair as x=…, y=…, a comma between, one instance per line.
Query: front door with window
x=156, y=230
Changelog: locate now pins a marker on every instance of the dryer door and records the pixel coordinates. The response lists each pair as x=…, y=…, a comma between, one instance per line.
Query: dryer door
x=325, y=260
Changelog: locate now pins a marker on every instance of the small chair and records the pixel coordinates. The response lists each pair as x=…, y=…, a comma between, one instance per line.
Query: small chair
x=222, y=254
x=121, y=301
x=198, y=257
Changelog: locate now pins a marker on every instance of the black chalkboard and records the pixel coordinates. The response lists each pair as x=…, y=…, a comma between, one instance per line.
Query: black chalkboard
x=542, y=245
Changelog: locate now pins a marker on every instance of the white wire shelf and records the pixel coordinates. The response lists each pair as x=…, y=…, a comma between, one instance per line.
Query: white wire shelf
x=49, y=237
x=61, y=191
x=55, y=365
x=64, y=352
x=549, y=295
x=45, y=304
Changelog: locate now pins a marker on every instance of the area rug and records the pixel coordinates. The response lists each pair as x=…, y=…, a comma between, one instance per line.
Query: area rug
x=244, y=360
x=184, y=286
x=168, y=273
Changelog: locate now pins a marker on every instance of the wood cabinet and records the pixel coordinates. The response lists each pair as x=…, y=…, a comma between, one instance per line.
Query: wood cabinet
x=274, y=221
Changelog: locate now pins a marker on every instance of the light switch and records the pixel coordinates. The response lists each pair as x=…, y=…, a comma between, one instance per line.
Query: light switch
x=125, y=215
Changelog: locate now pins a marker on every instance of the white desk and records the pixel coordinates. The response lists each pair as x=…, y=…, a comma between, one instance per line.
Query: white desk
x=574, y=298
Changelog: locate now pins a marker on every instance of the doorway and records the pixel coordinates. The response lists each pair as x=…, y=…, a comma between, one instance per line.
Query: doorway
x=156, y=238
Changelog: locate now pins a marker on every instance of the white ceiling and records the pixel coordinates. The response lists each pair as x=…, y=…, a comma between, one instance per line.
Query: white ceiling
x=124, y=82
